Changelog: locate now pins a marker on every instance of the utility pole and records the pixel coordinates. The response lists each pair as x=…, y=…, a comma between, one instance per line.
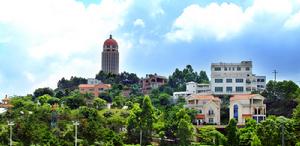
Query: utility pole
x=10, y=124
x=275, y=72
x=75, y=123
x=282, y=135
x=141, y=135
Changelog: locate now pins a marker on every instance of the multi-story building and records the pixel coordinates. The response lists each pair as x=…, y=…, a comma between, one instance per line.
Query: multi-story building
x=110, y=56
x=152, y=81
x=192, y=88
x=247, y=106
x=235, y=78
x=208, y=108
x=95, y=89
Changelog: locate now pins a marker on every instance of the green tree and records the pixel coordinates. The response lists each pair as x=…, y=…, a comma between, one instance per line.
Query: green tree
x=269, y=131
x=134, y=124
x=184, y=129
x=208, y=135
x=202, y=78
x=99, y=103
x=119, y=101
x=42, y=91
x=232, y=133
x=164, y=99
x=74, y=100
x=255, y=141
x=66, y=86
x=184, y=132
x=44, y=98
x=247, y=133
x=281, y=97
x=147, y=119
x=141, y=119
x=296, y=117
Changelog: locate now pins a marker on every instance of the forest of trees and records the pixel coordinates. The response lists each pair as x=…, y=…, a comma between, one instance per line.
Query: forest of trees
x=150, y=119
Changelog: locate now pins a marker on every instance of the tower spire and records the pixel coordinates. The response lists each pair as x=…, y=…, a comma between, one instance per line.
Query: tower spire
x=110, y=36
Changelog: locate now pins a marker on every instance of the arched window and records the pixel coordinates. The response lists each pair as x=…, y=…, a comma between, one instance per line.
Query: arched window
x=236, y=112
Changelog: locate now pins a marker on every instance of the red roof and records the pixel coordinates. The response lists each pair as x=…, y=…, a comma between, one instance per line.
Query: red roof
x=210, y=97
x=110, y=42
x=105, y=86
x=243, y=96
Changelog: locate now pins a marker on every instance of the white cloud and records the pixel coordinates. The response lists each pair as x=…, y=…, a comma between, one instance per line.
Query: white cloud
x=64, y=36
x=226, y=20
x=156, y=8
x=5, y=40
x=75, y=67
x=62, y=27
x=215, y=20
x=29, y=76
x=276, y=8
x=293, y=21
x=139, y=22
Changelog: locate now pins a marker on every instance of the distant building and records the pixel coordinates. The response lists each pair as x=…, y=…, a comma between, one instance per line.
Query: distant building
x=152, y=81
x=247, y=106
x=207, y=106
x=235, y=78
x=110, y=56
x=95, y=89
x=93, y=81
x=193, y=88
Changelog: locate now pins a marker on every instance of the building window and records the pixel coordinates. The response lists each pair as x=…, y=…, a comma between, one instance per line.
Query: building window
x=229, y=68
x=225, y=68
x=100, y=89
x=228, y=80
x=217, y=68
x=260, y=80
x=210, y=112
x=248, y=89
x=211, y=120
x=91, y=89
x=238, y=68
x=239, y=89
x=239, y=80
x=218, y=89
x=247, y=68
x=218, y=80
x=233, y=68
x=236, y=112
x=228, y=89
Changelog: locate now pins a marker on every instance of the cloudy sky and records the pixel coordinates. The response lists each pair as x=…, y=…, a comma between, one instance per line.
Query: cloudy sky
x=42, y=41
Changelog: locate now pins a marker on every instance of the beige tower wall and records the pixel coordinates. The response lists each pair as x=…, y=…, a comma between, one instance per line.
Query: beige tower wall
x=110, y=61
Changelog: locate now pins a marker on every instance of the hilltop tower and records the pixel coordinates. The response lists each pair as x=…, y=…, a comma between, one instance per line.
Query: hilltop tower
x=110, y=56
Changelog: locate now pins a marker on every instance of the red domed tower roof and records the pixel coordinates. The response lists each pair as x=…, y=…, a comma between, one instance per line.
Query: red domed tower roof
x=110, y=42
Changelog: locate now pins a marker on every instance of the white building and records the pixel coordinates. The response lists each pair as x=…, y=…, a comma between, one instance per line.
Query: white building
x=208, y=108
x=192, y=88
x=247, y=106
x=235, y=78
x=93, y=81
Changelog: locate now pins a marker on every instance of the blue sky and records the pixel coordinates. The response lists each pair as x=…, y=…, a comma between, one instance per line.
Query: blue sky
x=42, y=41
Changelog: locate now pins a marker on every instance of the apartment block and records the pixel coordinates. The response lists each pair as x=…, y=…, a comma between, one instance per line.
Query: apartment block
x=235, y=78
